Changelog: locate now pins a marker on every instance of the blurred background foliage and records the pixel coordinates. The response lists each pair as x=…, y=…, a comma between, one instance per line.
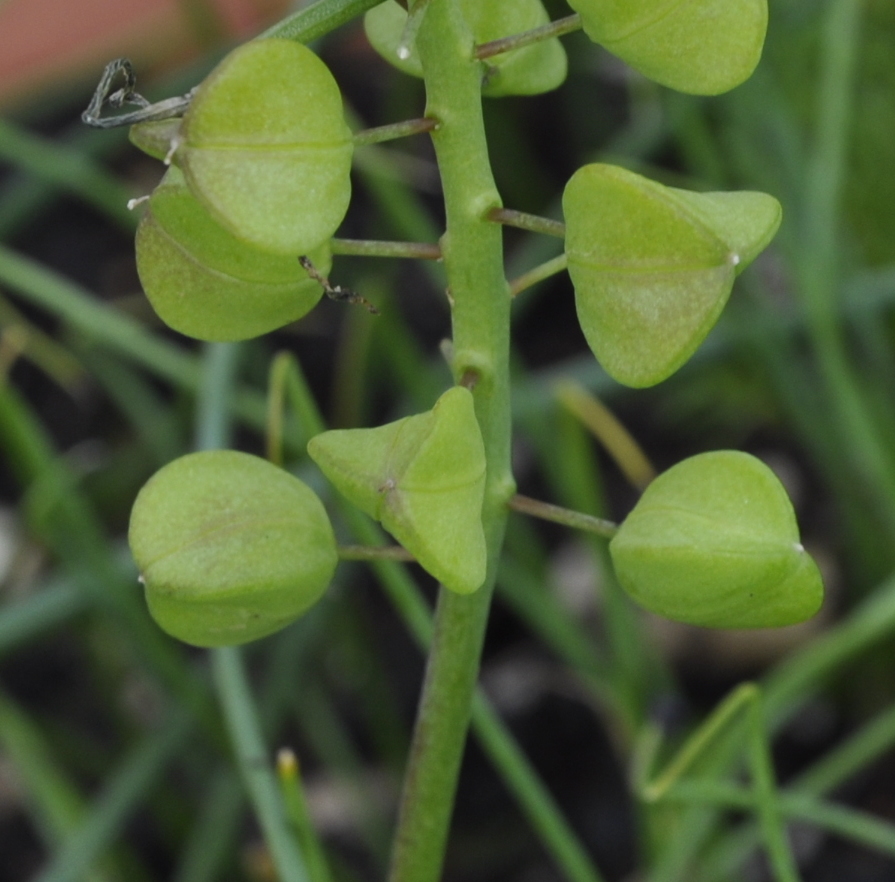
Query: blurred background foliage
x=113, y=758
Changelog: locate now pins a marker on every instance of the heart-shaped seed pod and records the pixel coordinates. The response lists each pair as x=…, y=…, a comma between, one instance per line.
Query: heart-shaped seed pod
x=704, y=47
x=230, y=548
x=266, y=148
x=526, y=71
x=205, y=283
x=714, y=542
x=653, y=266
x=423, y=478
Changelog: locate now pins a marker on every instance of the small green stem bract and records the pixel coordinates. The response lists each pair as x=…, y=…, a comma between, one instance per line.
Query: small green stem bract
x=546, y=32
x=393, y=131
x=523, y=221
x=557, y=514
x=377, y=248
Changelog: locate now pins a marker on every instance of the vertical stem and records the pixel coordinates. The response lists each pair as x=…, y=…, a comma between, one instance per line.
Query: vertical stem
x=473, y=259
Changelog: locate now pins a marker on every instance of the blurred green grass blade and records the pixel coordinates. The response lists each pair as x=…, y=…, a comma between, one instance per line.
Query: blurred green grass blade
x=858, y=751
x=127, y=786
x=785, y=689
x=156, y=424
x=211, y=841
x=213, y=429
x=23, y=196
x=858, y=826
x=252, y=760
x=534, y=799
x=39, y=348
x=113, y=330
x=849, y=823
x=833, y=769
x=70, y=527
x=55, y=805
x=793, y=681
x=49, y=606
x=69, y=170
x=317, y=19
x=79, y=309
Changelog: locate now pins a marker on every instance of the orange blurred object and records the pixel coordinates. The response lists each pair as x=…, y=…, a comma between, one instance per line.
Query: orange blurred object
x=44, y=43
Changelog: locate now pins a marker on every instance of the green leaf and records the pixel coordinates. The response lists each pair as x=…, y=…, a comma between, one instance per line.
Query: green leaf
x=205, y=283
x=704, y=47
x=653, y=266
x=714, y=542
x=526, y=71
x=266, y=148
x=423, y=478
x=230, y=548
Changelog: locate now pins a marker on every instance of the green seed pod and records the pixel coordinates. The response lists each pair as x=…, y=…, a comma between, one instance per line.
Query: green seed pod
x=526, y=71
x=205, y=283
x=703, y=47
x=156, y=137
x=423, y=478
x=230, y=548
x=653, y=266
x=714, y=542
x=266, y=148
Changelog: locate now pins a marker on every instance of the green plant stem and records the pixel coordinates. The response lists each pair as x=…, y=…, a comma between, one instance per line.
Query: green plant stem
x=110, y=811
x=473, y=258
x=552, y=29
x=376, y=248
x=230, y=678
x=524, y=221
x=764, y=803
x=538, y=274
x=533, y=797
x=318, y=19
x=254, y=766
x=47, y=607
x=558, y=515
x=608, y=430
x=860, y=827
x=371, y=552
x=393, y=131
x=69, y=170
x=299, y=816
x=766, y=798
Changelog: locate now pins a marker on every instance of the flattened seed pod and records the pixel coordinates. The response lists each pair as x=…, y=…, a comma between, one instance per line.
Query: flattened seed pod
x=266, y=148
x=703, y=47
x=423, y=478
x=526, y=71
x=230, y=548
x=714, y=542
x=205, y=283
x=653, y=266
